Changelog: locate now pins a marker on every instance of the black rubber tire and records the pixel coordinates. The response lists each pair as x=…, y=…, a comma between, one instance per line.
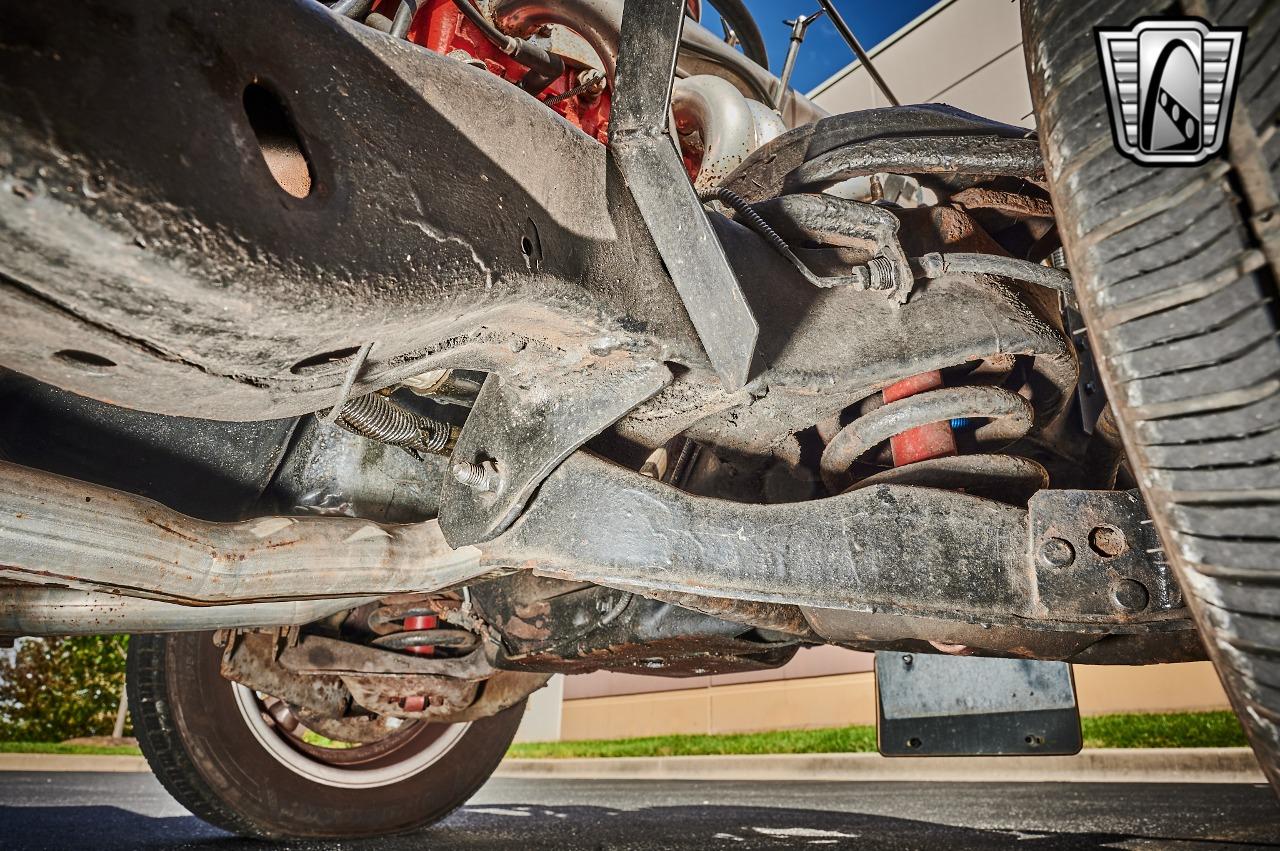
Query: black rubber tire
x=202, y=751
x=1176, y=271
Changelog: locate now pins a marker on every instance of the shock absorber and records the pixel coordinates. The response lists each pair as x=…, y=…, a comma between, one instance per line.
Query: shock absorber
x=916, y=419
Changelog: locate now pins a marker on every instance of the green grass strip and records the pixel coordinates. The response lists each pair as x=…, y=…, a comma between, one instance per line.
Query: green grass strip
x=58, y=747
x=1167, y=730
x=1171, y=730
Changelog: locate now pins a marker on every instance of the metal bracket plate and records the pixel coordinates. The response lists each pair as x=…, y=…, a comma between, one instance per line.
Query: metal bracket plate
x=1097, y=557
x=528, y=428
x=930, y=705
x=655, y=176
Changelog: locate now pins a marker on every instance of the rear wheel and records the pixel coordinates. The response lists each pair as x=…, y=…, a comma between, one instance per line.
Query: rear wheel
x=241, y=761
x=1176, y=270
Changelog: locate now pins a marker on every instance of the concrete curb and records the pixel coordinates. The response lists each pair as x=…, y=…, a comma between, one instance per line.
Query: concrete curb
x=1145, y=765
x=71, y=762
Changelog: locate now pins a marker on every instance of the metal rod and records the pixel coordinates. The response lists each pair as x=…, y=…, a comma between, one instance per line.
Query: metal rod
x=353, y=372
x=122, y=708
x=852, y=41
x=798, y=27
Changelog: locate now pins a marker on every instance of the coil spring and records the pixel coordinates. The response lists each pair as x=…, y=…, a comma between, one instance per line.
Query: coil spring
x=1005, y=477
x=415, y=628
x=378, y=418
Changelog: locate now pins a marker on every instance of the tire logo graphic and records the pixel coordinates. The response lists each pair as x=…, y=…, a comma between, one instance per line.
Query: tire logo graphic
x=1170, y=84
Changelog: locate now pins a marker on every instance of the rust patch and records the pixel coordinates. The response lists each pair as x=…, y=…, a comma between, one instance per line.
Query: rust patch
x=184, y=536
x=535, y=609
x=528, y=631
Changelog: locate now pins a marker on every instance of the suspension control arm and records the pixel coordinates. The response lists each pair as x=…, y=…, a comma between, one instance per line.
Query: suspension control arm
x=886, y=549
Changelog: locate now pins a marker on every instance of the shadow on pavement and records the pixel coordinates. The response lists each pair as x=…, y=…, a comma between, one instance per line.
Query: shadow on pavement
x=706, y=828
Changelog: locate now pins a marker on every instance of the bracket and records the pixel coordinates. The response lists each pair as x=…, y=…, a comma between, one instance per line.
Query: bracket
x=526, y=428
x=1096, y=556
x=643, y=149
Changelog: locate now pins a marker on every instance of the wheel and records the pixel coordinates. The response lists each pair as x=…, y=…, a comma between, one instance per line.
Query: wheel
x=227, y=754
x=1176, y=270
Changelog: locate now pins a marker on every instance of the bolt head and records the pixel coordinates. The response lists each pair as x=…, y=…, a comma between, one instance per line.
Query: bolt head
x=1129, y=595
x=1107, y=541
x=1057, y=552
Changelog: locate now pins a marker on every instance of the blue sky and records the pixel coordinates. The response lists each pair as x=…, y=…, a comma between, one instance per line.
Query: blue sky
x=823, y=52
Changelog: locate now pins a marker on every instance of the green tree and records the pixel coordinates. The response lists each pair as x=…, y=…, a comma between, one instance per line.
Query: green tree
x=60, y=688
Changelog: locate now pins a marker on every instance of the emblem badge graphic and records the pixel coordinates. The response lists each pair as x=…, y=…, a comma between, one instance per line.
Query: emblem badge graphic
x=1170, y=83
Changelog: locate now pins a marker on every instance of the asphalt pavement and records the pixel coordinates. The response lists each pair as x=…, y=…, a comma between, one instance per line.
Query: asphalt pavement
x=103, y=812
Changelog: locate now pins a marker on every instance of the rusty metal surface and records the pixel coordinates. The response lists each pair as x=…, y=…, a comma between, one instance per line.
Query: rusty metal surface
x=888, y=551
x=363, y=729
x=970, y=560
x=318, y=654
x=534, y=294
x=59, y=530
x=411, y=695
x=1097, y=556
x=202, y=288
x=378, y=681
x=774, y=616
x=250, y=659
x=43, y=610
x=526, y=425
x=1156, y=641
x=543, y=624
x=501, y=691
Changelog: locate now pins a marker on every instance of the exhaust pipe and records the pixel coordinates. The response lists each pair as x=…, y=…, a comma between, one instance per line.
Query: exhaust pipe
x=60, y=531
x=40, y=610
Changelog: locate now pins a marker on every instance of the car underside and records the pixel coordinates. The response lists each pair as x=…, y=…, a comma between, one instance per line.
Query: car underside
x=402, y=355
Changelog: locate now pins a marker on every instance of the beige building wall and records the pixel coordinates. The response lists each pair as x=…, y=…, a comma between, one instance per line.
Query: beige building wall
x=844, y=699
x=966, y=53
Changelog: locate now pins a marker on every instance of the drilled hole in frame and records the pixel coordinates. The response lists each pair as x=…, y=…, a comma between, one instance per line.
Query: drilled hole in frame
x=323, y=361
x=531, y=246
x=278, y=141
